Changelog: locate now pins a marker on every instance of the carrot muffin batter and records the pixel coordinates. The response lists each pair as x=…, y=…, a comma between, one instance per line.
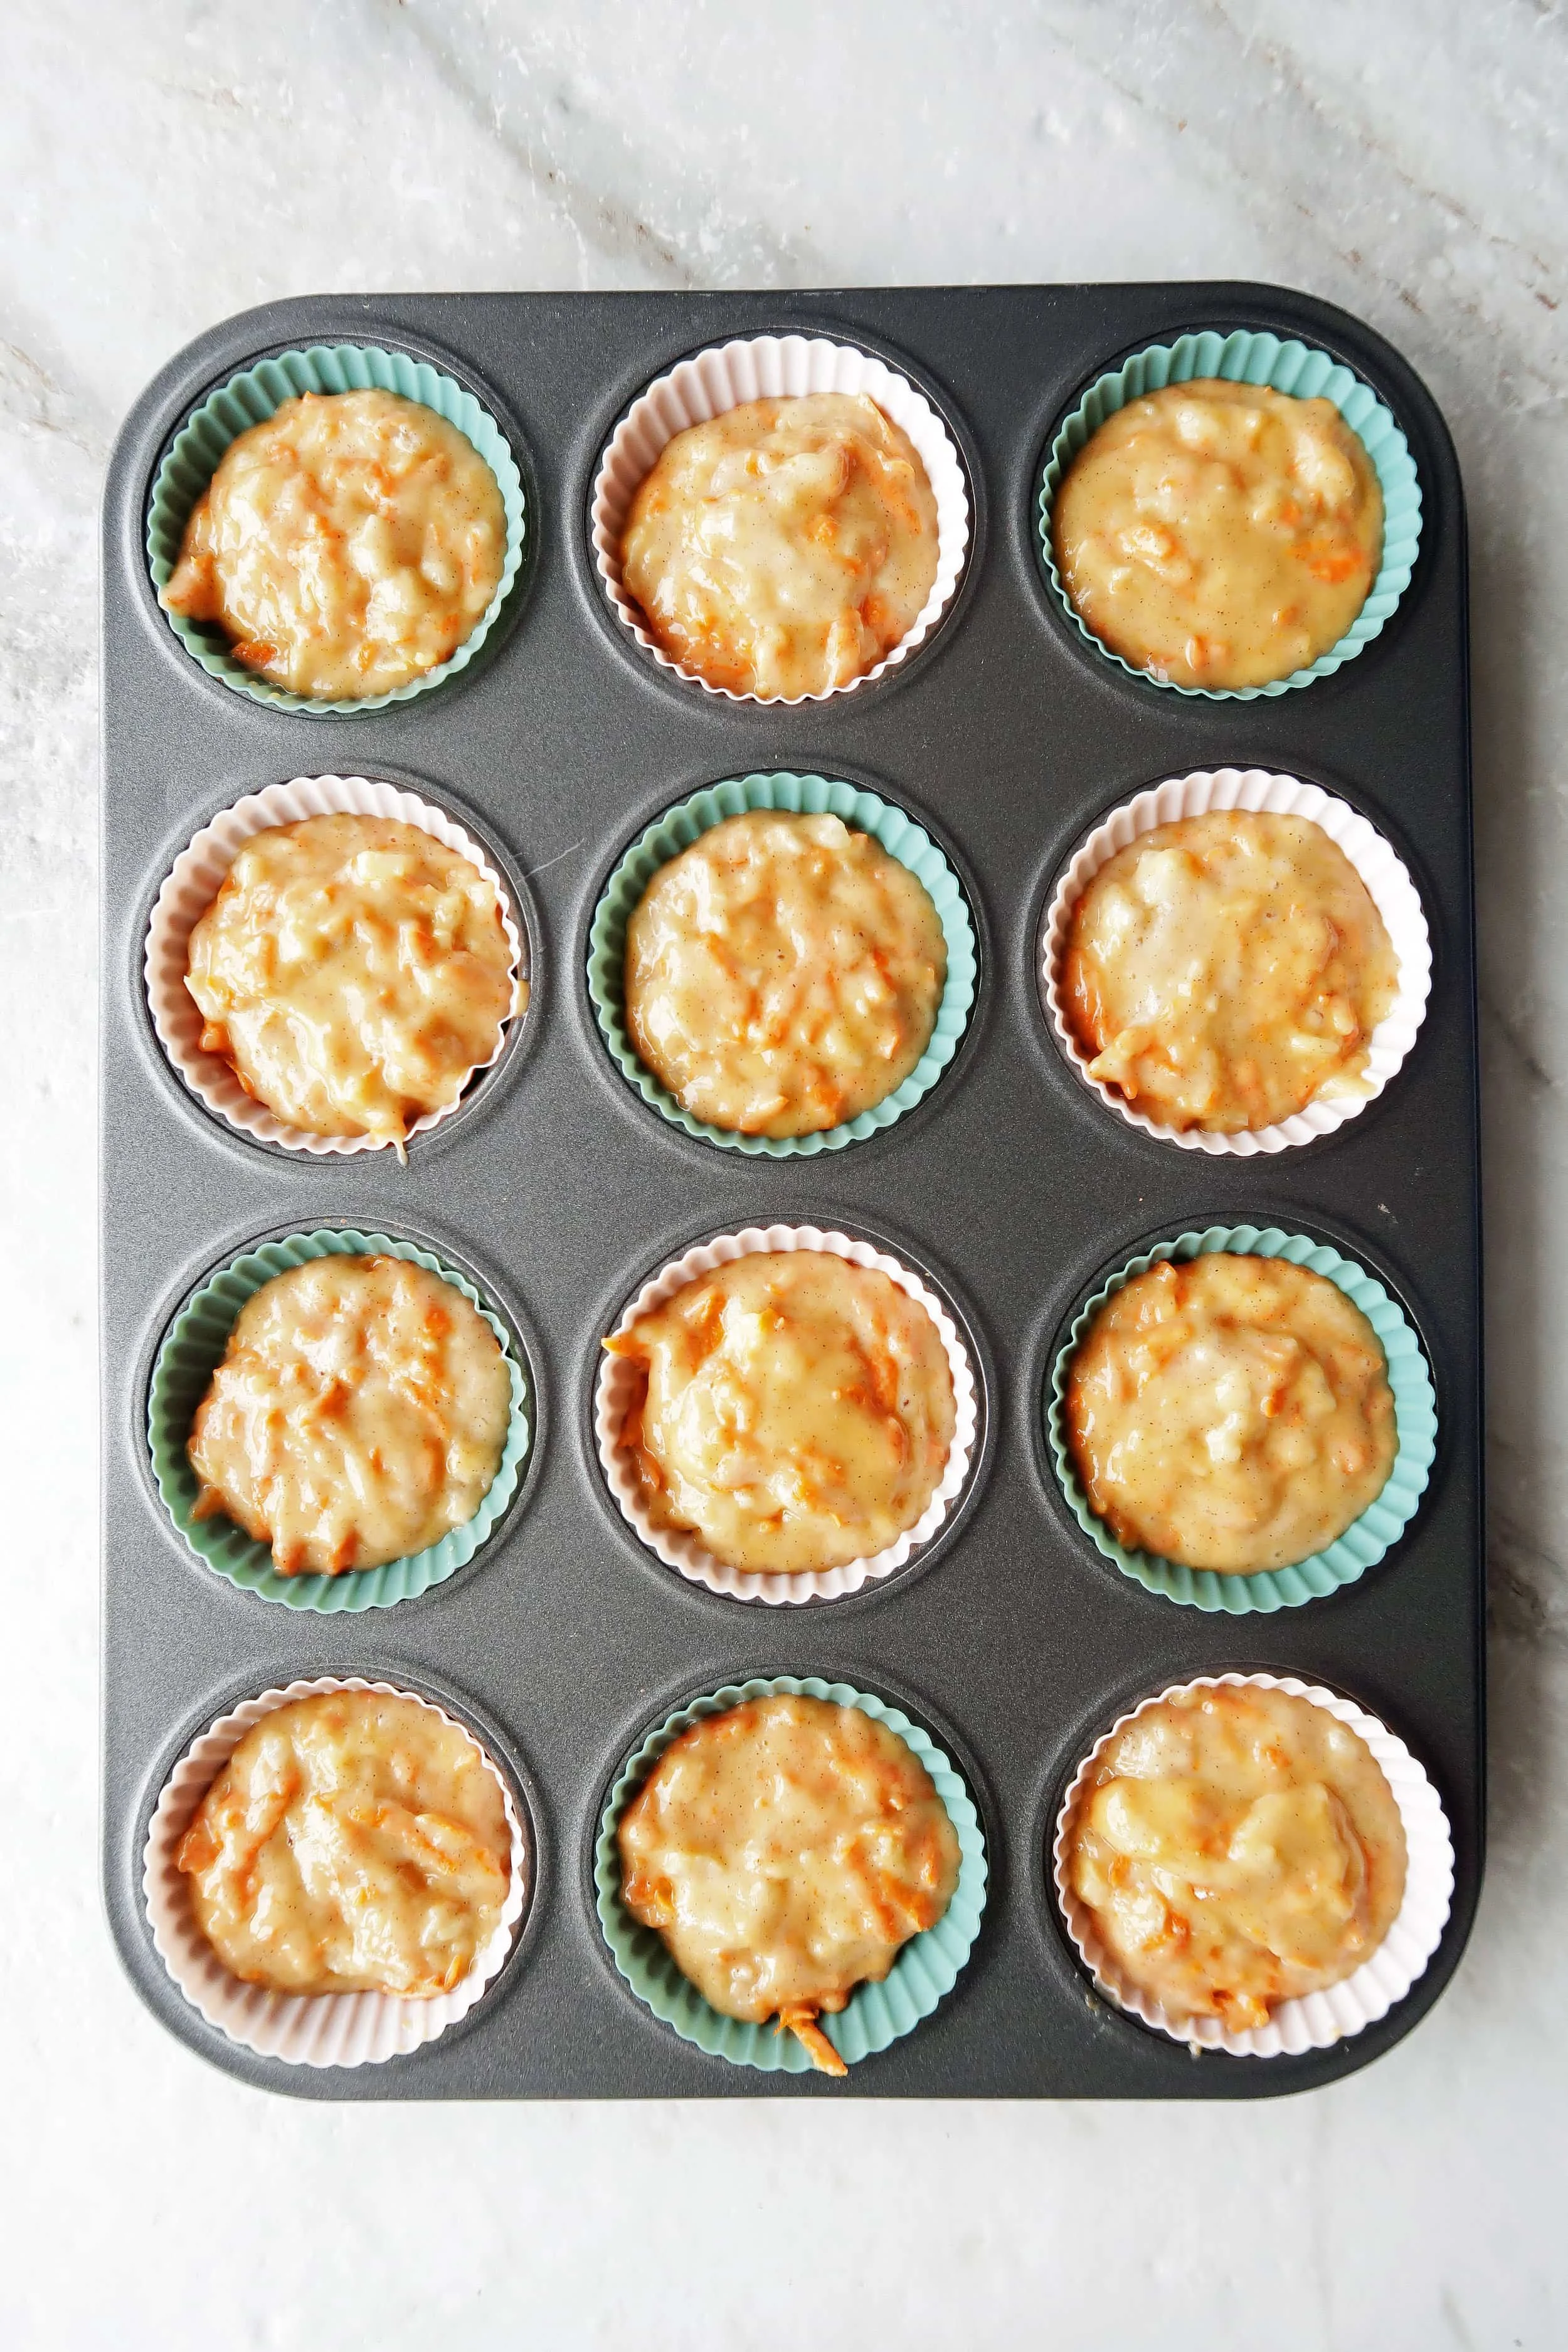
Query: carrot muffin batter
x=1238, y=1848
x=354, y=972
x=786, y=547
x=786, y=1851
x=353, y=1843
x=792, y=1410
x=347, y=545
x=359, y=1414
x=1224, y=971
x=782, y=974
x=1220, y=535
x=1232, y=1413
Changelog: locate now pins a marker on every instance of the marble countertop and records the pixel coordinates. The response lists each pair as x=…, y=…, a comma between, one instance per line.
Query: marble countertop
x=168, y=162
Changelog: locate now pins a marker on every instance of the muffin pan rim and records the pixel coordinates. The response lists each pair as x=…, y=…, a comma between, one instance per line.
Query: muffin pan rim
x=894, y=768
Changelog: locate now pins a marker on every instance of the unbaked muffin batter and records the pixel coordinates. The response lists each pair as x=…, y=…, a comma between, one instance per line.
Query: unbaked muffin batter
x=794, y=1410
x=1220, y=535
x=1223, y=970
x=360, y=1414
x=786, y=1851
x=347, y=545
x=1232, y=1413
x=354, y=972
x=784, y=973
x=353, y=1843
x=1238, y=1848
x=787, y=546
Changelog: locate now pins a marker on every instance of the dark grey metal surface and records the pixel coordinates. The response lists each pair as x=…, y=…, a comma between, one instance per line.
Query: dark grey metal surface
x=1013, y=1641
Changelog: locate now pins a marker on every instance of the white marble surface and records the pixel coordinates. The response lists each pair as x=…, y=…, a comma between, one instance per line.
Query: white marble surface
x=164, y=164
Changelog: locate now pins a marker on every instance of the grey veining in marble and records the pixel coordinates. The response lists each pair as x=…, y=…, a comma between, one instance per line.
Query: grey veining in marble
x=164, y=164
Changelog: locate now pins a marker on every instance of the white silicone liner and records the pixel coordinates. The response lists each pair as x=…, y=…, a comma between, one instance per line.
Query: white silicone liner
x=768, y=367
x=1392, y=891
x=1317, y=2020
x=682, y=1551
x=345, y=2028
x=194, y=882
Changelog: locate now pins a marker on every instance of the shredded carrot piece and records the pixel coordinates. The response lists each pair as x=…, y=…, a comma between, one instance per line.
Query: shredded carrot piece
x=800, y=2020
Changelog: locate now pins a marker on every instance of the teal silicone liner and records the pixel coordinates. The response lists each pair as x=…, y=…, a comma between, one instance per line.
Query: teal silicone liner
x=191, y=1350
x=249, y=399
x=808, y=796
x=1290, y=367
x=1366, y=1540
x=926, y=1969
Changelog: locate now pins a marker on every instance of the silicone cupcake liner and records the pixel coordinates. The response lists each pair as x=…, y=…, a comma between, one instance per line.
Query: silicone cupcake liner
x=250, y=398
x=1367, y=1539
x=345, y=2028
x=1289, y=367
x=765, y=367
x=1314, y=2020
x=811, y=795
x=190, y=1352
x=682, y=1551
x=194, y=882
x=1388, y=884
x=926, y=1969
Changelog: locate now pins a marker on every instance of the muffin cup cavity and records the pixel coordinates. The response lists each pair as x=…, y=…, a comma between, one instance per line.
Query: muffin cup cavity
x=1367, y=1539
x=924, y=1972
x=811, y=795
x=190, y=1352
x=1304, y=372
x=194, y=882
x=685, y=1552
x=1314, y=2020
x=763, y=367
x=1388, y=885
x=346, y=2029
x=249, y=399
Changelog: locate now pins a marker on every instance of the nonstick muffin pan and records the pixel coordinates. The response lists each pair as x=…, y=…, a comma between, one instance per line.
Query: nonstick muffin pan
x=1007, y=1188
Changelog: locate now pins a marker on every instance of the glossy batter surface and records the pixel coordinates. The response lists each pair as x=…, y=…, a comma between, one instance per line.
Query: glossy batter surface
x=784, y=546
x=354, y=972
x=1232, y=1413
x=794, y=1410
x=347, y=545
x=360, y=1414
x=786, y=1851
x=1238, y=1848
x=1219, y=534
x=1223, y=970
x=353, y=1843
x=784, y=973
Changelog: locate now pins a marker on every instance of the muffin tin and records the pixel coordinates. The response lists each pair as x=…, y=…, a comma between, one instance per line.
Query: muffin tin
x=564, y=1641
